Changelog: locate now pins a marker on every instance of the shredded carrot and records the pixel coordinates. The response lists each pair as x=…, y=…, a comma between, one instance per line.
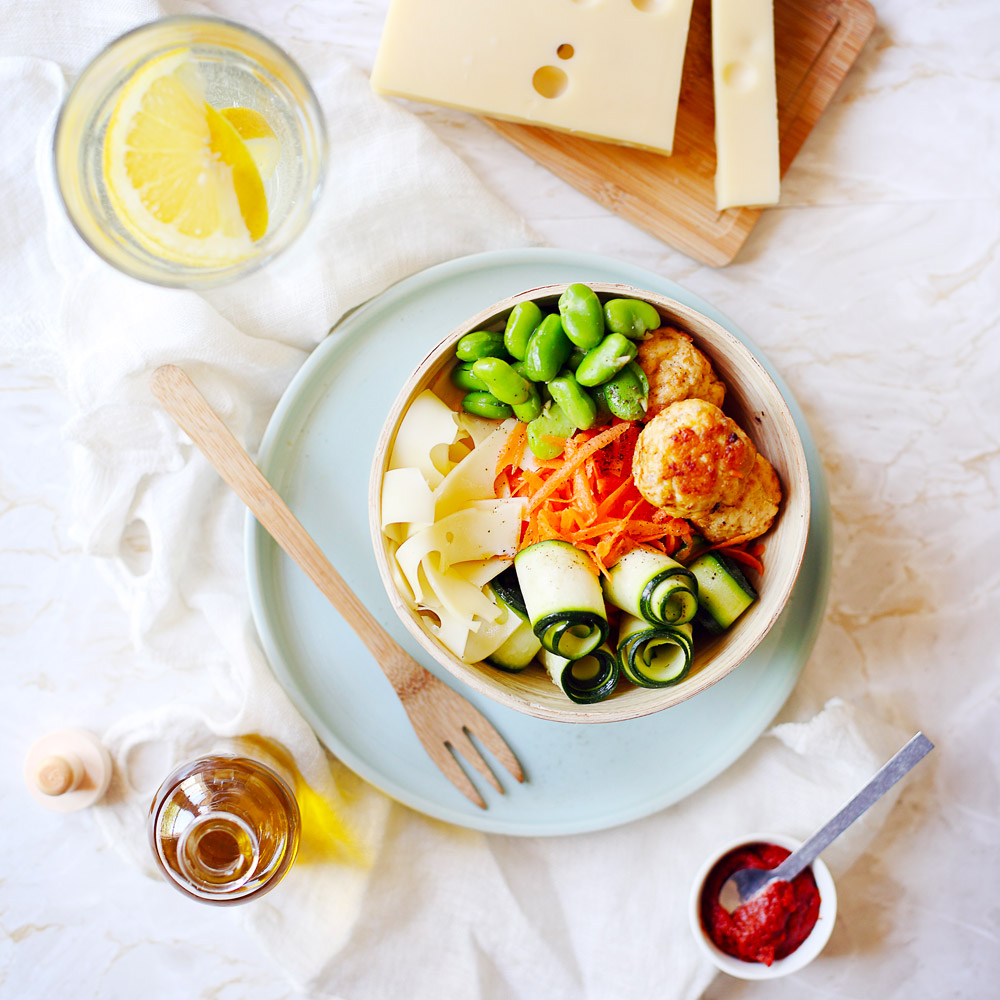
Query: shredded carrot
x=580, y=456
x=513, y=450
x=608, y=503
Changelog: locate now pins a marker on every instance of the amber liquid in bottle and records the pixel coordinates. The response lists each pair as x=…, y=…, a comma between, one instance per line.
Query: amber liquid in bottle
x=224, y=829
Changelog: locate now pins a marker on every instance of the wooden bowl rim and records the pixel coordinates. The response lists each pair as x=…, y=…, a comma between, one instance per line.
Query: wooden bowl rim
x=491, y=683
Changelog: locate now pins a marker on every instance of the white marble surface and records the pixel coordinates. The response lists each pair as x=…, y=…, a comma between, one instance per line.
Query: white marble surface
x=873, y=288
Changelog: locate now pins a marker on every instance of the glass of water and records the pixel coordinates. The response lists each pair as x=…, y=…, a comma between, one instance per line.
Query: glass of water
x=190, y=152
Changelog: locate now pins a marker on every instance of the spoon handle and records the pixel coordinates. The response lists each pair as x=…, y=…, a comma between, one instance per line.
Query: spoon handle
x=894, y=769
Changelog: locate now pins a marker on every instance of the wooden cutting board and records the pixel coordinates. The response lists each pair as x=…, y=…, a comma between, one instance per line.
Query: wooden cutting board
x=673, y=197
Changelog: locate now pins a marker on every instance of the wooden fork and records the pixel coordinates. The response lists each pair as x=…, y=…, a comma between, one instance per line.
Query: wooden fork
x=442, y=719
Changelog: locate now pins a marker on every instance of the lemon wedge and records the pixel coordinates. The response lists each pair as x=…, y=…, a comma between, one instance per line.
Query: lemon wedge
x=178, y=175
x=257, y=136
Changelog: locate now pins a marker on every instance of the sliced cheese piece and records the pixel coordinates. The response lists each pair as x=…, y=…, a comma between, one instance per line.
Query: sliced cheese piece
x=489, y=637
x=481, y=531
x=402, y=584
x=473, y=477
x=460, y=598
x=480, y=572
x=478, y=428
x=426, y=424
x=748, y=170
x=406, y=498
x=606, y=69
x=451, y=632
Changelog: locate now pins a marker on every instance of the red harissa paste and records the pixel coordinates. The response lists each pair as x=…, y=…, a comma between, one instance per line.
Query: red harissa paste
x=772, y=924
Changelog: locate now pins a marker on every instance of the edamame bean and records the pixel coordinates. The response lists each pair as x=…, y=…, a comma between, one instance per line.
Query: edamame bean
x=573, y=400
x=521, y=369
x=547, y=433
x=480, y=344
x=631, y=317
x=540, y=387
x=625, y=394
x=636, y=370
x=548, y=349
x=532, y=407
x=606, y=360
x=582, y=316
x=462, y=378
x=521, y=324
x=485, y=404
x=501, y=380
x=603, y=410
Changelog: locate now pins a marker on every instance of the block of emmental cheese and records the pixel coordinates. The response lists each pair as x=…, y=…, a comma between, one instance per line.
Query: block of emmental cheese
x=748, y=171
x=604, y=69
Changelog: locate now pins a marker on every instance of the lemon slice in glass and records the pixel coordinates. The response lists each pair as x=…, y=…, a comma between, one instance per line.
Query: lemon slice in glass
x=257, y=136
x=178, y=175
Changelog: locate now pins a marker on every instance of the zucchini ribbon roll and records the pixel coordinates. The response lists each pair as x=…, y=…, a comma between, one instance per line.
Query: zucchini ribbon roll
x=585, y=680
x=654, y=655
x=651, y=585
x=563, y=598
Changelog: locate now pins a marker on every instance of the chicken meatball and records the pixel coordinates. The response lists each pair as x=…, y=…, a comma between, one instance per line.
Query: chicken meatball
x=691, y=457
x=753, y=512
x=677, y=370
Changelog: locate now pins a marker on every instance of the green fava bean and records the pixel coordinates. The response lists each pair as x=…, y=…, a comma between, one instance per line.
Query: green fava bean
x=582, y=316
x=547, y=433
x=462, y=378
x=573, y=401
x=603, y=410
x=625, y=394
x=501, y=380
x=485, y=404
x=531, y=408
x=636, y=370
x=480, y=344
x=521, y=324
x=606, y=360
x=631, y=317
x=548, y=350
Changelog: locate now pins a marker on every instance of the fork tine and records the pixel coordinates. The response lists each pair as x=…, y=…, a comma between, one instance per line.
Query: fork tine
x=495, y=743
x=452, y=770
x=464, y=746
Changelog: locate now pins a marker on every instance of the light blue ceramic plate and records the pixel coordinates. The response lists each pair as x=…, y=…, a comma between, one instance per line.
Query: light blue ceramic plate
x=317, y=451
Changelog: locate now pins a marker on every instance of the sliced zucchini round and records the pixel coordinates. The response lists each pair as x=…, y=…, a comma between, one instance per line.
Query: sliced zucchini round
x=652, y=586
x=521, y=647
x=724, y=593
x=518, y=650
x=654, y=656
x=586, y=680
x=508, y=591
x=562, y=597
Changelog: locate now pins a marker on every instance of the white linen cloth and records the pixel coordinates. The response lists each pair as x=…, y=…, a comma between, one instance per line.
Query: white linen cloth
x=461, y=914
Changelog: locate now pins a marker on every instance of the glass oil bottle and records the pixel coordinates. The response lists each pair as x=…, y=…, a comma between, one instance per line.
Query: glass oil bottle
x=224, y=828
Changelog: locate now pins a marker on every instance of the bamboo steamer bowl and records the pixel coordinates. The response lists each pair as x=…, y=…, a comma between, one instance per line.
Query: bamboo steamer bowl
x=752, y=400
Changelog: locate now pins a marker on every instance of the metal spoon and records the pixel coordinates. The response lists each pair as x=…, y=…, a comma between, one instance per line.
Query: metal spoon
x=747, y=882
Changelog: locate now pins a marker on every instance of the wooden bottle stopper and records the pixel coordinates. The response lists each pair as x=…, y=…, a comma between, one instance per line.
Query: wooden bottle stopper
x=68, y=770
x=57, y=775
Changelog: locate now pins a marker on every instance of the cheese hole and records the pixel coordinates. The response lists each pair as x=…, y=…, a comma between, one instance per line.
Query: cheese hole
x=651, y=6
x=565, y=51
x=549, y=81
x=739, y=75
